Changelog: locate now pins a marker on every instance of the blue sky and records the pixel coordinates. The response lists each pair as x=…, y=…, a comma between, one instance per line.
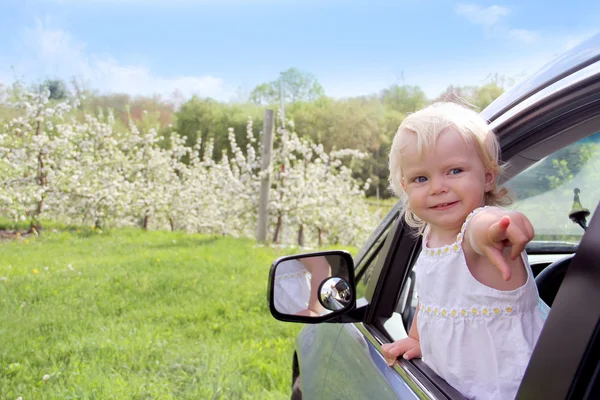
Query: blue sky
x=223, y=48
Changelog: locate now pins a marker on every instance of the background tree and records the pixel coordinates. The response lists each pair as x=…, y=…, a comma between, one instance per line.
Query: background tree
x=404, y=99
x=208, y=119
x=484, y=95
x=297, y=86
x=58, y=89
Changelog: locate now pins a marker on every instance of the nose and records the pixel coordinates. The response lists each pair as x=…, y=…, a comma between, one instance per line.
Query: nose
x=437, y=185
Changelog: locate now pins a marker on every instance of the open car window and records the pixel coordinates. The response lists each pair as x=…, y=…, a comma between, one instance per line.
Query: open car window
x=566, y=180
x=545, y=193
x=366, y=273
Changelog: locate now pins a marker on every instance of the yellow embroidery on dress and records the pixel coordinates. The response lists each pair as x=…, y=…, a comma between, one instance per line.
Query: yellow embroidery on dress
x=441, y=251
x=463, y=312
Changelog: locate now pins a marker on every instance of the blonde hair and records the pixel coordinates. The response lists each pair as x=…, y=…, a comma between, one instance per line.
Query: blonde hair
x=428, y=124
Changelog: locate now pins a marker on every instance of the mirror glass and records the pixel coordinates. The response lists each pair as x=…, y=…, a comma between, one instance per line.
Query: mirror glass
x=311, y=285
x=335, y=294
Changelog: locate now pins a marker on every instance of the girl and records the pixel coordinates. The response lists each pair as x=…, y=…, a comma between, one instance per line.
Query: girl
x=479, y=313
x=297, y=283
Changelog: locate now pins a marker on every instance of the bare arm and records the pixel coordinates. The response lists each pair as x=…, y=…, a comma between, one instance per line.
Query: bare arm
x=494, y=241
x=319, y=271
x=414, y=331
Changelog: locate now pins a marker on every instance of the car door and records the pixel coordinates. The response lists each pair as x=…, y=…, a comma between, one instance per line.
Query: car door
x=560, y=114
x=357, y=369
x=315, y=343
x=565, y=363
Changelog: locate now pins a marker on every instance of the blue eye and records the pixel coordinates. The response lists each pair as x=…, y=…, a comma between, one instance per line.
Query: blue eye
x=420, y=179
x=455, y=171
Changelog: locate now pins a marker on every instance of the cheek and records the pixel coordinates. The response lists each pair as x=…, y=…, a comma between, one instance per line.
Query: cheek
x=416, y=196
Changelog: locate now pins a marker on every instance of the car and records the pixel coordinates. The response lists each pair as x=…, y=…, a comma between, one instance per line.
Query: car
x=549, y=131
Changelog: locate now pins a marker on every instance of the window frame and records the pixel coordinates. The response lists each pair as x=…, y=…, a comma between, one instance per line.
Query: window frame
x=562, y=111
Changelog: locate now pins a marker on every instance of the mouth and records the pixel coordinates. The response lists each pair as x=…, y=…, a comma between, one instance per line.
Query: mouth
x=443, y=206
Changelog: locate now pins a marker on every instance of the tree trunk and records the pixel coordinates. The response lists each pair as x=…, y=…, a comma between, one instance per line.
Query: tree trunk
x=319, y=237
x=146, y=221
x=42, y=181
x=301, y=235
x=172, y=223
x=34, y=227
x=277, y=228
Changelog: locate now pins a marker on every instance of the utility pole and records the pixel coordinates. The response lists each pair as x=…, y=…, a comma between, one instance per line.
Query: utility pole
x=265, y=182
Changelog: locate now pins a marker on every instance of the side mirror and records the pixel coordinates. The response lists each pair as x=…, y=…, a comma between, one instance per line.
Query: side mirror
x=312, y=287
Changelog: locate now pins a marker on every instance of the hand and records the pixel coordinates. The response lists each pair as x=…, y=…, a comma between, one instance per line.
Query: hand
x=505, y=229
x=307, y=313
x=408, y=348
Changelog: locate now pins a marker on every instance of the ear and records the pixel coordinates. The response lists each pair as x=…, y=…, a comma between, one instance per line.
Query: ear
x=490, y=180
x=402, y=183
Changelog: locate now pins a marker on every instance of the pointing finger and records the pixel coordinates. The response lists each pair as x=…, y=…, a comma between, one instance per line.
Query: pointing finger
x=497, y=258
x=498, y=230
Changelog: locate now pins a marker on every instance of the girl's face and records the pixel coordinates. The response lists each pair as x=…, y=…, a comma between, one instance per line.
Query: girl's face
x=446, y=182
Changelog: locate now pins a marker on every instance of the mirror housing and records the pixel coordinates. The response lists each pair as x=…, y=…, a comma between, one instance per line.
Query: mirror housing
x=313, y=288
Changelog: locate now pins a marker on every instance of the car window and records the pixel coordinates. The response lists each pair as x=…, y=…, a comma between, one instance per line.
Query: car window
x=549, y=190
x=545, y=194
x=406, y=305
x=365, y=272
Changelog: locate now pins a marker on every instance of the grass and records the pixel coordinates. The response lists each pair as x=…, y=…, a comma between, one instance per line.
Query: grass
x=140, y=315
x=383, y=205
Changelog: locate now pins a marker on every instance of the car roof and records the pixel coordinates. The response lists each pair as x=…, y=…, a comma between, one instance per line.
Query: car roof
x=574, y=60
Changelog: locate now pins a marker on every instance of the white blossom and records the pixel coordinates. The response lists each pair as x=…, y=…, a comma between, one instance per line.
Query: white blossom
x=86, y=171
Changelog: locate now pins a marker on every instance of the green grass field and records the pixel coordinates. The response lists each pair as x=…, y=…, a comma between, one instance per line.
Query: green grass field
x=142, y=315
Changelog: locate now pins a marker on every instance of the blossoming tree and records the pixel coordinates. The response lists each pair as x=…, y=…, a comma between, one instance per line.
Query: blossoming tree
x=55, y=163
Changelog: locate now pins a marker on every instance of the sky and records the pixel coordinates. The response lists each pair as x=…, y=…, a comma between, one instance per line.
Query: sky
x=224, y=48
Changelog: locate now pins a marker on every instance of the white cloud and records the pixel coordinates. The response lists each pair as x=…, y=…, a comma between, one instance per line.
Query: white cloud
x=54, y=52
x=494, y=21
x=487, y=17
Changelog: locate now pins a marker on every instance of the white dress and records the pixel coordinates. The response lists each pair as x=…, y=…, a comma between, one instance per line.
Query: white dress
x=292, y=287
x=477, y=338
